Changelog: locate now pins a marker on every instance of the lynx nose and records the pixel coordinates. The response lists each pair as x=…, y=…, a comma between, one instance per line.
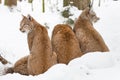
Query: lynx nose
x=22, y=30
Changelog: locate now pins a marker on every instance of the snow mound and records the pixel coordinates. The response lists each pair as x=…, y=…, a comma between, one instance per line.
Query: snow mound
x=94, y=60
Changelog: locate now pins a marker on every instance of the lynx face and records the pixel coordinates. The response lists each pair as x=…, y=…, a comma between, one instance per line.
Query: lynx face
x=92, y=16
x=89, y=14
x=26, y=24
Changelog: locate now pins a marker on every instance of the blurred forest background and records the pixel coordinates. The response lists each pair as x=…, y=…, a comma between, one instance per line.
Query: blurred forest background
x=80, y=4
x=66, y=4
x=54, y=4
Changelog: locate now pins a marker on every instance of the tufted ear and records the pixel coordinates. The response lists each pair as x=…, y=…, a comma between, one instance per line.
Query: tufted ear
x=22, y=15
x=87, y=10
x=29, y=17
x=85, y=13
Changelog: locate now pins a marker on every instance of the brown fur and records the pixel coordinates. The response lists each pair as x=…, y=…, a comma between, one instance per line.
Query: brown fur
x=21, y=66
x=30, y=37
x=89, y=39
x=41, y=56
x=65, y=43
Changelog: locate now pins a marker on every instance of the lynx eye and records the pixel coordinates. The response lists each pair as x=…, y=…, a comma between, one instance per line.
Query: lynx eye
x=26, y=25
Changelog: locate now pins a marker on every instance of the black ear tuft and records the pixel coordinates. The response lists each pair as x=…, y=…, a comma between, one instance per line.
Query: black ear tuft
x=22, y=15
x=29, y=17
x=87, y=10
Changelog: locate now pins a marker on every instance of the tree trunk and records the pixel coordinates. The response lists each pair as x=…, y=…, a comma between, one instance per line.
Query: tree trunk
x=30, y=1
x=43, y=6
x=80, y=4
x=99, y=3
x=10, y=2
x=66, y=2
x=2, y=60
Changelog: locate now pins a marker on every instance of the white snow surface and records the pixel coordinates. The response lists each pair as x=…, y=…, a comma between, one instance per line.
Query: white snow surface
x=91, y=66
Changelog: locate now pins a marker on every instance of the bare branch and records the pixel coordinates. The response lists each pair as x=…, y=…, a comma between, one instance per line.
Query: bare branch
x=3, y=61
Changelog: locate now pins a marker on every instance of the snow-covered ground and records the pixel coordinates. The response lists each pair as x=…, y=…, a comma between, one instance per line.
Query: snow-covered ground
x=91, y=66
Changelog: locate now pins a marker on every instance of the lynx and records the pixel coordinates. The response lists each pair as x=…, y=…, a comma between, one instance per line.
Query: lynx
x=41, y=57
x=65, y=43
x=89, y=39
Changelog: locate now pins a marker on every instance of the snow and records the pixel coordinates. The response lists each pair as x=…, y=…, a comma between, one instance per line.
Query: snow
x=91, y=66
x=94, y=60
